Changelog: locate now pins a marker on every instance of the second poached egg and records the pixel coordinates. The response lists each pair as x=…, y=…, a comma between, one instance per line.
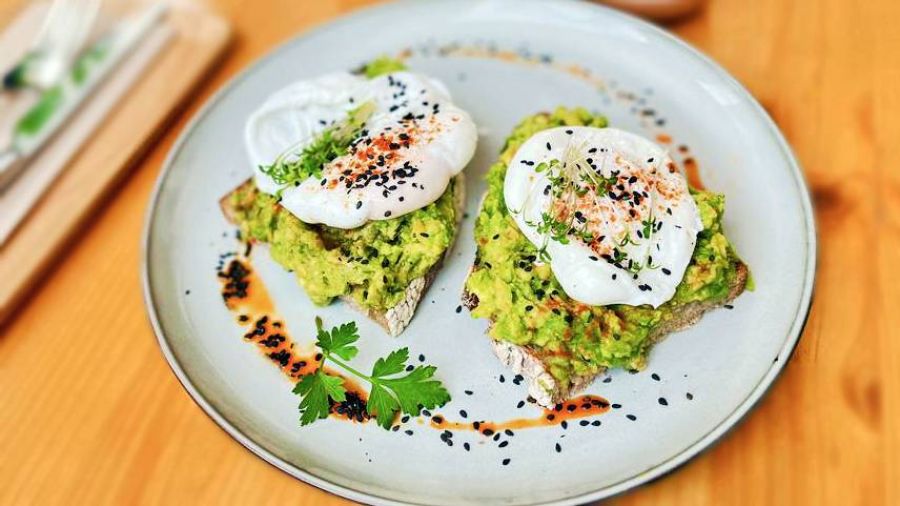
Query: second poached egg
x=608, y=209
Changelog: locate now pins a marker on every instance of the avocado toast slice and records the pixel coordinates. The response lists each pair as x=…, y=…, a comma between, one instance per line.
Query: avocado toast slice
x=382, y=268
x=557, y=343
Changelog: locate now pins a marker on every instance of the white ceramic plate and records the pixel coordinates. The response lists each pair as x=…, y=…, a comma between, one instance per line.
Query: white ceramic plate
x=502, y=60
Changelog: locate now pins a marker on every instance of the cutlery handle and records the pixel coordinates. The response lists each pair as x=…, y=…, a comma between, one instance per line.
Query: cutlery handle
x=11, y=165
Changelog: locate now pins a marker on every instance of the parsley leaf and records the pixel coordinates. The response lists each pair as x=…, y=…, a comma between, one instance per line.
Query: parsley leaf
x=338, y=341
x=316, y=390
x=418, y=390
x=383, y=405
x=392, y=364
x=409, y=393
x=391, y=391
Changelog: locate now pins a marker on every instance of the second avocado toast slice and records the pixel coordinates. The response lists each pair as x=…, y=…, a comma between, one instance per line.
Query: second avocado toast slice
x=558, y=344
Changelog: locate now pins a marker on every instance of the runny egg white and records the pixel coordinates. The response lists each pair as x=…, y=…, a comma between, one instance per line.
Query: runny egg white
x=410, y=147
x=608, y=209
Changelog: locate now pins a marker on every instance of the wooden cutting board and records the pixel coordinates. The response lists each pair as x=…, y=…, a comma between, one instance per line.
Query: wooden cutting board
x=199, y=38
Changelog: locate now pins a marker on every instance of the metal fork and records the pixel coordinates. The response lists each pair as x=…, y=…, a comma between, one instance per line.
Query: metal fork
x=59, y=41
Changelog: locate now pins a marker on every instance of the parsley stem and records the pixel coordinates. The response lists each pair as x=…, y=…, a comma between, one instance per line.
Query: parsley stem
x=346, y=367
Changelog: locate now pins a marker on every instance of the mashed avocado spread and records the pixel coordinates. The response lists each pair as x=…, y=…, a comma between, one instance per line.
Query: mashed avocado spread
x=373, y=263
x=528, y=306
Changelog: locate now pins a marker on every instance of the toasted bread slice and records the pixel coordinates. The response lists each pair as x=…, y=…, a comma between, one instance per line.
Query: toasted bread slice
x=395, y=319
x=546, y=391
x=543, y=361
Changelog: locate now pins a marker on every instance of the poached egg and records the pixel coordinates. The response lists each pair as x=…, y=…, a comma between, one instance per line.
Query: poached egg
x=413, y=142
x=608, y=210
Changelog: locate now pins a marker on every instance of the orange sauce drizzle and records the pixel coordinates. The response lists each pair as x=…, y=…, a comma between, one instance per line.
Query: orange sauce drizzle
x=575, y=408
x=692, y=171
x=246, y=297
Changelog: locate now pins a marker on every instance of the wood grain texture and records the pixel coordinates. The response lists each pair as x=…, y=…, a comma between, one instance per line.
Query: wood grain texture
x=90, y=413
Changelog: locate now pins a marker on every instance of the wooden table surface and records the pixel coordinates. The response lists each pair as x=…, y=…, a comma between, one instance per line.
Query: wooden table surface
x=90, y=413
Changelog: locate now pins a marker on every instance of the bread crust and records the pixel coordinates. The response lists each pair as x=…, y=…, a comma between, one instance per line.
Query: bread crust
x=395, y=319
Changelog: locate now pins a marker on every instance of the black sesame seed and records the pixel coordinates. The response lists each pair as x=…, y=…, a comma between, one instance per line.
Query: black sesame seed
x=463, y=413
x=509, y=432
x=459, y=309
x=549, y=147
x=558, y=448
x=565, y=425
x=596, y=423
x=689, y=396
x=466, y=446
x=502, y=379
x=615, y=406
x=504, y=444
x=506, y=462
x=655, y=377
x=667, y=272
x=584, y=423
x=663, y=401
x=387, y=214
x=520, y=404
x=468, y=392
x=631, y=417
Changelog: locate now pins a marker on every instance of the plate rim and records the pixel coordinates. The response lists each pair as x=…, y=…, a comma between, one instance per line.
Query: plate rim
x=659, y=470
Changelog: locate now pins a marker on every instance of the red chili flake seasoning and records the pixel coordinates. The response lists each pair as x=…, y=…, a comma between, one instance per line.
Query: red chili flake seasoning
x=378, y=160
